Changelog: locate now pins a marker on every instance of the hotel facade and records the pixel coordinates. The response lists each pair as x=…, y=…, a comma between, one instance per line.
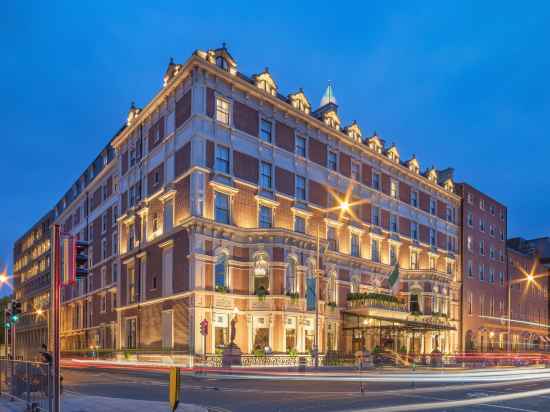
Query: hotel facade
x=224, y=200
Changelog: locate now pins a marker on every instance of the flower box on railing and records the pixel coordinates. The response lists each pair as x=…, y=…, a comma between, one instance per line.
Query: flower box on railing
x=376, y=300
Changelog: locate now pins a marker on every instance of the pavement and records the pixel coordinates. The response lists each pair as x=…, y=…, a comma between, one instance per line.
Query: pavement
x=72, y=402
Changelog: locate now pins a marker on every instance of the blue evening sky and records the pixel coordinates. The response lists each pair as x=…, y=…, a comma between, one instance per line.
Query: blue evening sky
x=458, y=83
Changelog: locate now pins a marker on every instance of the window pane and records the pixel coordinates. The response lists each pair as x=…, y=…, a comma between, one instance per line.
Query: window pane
x=300, y=146
x=266, y=217
x=222, y=159
x=265, y=176
x=265, y=131
x=222, y=208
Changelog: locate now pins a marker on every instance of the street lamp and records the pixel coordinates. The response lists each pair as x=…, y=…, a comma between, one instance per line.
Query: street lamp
x=343, y=206
x=529, y=278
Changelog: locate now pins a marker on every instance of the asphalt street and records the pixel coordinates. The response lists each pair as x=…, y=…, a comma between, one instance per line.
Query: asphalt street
x=280, y=395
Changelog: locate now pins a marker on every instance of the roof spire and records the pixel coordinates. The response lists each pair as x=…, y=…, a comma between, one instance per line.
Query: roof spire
x=328, y=97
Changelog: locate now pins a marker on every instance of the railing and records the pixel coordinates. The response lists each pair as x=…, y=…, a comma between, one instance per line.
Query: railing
x=378, y=304
x=280, y=361
x=29, y=382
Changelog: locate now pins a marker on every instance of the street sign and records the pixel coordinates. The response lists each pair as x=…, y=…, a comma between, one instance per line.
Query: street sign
x=174, y=388
x=204, y=327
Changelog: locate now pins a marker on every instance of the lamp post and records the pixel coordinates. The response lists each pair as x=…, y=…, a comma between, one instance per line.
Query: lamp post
x=344, y=207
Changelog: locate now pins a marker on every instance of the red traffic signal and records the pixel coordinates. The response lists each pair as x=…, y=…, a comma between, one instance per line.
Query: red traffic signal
x=81, y=259
x=204, y=327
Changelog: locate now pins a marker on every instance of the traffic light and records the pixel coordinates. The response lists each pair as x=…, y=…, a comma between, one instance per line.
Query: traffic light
x=81, y=259
x=7, y=318
x=15, y=310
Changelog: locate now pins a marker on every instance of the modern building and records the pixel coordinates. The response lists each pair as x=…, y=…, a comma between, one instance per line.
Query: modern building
x=484, y=276
x=228, y=186
x=31, y=270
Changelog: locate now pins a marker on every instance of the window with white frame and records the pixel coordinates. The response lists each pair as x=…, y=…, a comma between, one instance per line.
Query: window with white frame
x=266, y=129
x=103, y=276
x=222, y=110
x=265, y=217
x=375, y=215
x=292, y=276
x=300, y=188
x=332, y=160
x=470, y=243
x=414, y=230
x=104, y=223
x=222, y=213
x=266, y=180
x=394, y=188
x=355, y=170
x=491, y=275
x=299, y=224
x=433, y=206
x=375, y=250
x=470, y=219
x=332, y=238
x=354, y=245
x=103, y=303
x=414, y=259
x=300, y=146
x=482, y=204
x=393, y=254
x=220, y=271
x=114, y=215
x=104, y=251
x=482, y=225
x=376, y=180
x=470, y=198
x=501, y=278
x=450, y=213
x=394, y=227
x=414, y=198
x=221, y=163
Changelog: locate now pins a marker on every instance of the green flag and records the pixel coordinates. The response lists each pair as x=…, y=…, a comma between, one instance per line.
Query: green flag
x=393, y=279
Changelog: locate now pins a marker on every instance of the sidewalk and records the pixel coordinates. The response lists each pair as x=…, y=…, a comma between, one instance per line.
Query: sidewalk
x=83, y=403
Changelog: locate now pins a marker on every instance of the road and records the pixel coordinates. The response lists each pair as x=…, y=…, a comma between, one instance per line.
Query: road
x=249, y=395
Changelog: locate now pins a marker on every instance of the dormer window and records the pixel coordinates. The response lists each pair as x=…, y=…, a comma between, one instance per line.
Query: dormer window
x=448, y=185
x=222, y=63
x=332, y=120
x=375, y=144
x=299, y=101
x=393, y=154
x=265, y=82
x=432, y=175
x=354, y=132
x=414, y=165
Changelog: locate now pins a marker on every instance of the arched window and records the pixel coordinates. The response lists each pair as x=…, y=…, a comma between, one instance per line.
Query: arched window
x=331, y=289
x=220, y=271
x=355, y=282
x=291, y=276
x=222, y=63
x=261, y=278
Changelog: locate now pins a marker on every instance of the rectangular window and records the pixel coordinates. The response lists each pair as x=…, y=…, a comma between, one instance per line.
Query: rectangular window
x=355, y=245
x=432, y=237
x=265, y=130
x=114, y=244
x=414, y=198
x=132, y=291
x=393, y=224
x=432, y=262
x=492, y=275
x=482, y=204
x=470, y=219
x=501, y=278
x=481, y=225
x=482, y=247
x=470, y=269
x=103, y=276
x=265, y=176
x=433, y=206
x=481, y=272
x=375, y=250
x=393, y=254
x=300, y=188
x=469, y=243
x=414, y=230
x=450, y=214
x=300, y=146
x=332, y=160
x=131, y=236
x=470, y=198
x=131, y=333
x=376, y=216
x=222, y=159
x=355, y=171
x=376, y=180
x=104, y=249
x=299, y=224
x=114, y=272
x=103, y=303
x=222, y=208
x=115, y=215
x=450, y=268
x=332, y=239
x=222, y=111
x=394, y=189
x=470, y=303
x=266, y=217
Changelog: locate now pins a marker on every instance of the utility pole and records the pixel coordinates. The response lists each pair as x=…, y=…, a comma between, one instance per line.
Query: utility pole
x=56, y=286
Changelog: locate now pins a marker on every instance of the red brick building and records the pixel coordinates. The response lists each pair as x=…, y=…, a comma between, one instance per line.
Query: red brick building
x=484, y=274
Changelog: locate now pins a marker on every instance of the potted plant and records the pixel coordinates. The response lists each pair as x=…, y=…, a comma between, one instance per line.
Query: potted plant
x=261, y=292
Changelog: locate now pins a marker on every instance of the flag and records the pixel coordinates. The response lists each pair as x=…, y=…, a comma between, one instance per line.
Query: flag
x=393, y=280
x=310, y=294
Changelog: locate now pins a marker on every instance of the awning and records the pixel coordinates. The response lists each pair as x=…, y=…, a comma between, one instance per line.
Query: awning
x=420, y=325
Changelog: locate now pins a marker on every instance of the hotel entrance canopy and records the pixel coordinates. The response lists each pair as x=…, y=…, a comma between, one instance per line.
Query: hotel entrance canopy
x=367, y=318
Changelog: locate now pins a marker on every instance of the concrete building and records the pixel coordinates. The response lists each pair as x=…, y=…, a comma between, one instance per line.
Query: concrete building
x=484, y=264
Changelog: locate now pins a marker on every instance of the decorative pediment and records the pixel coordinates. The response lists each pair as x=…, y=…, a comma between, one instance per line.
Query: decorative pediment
x=449, y=185
x=220, y=57
x=265, y=82
x=431, y=174
x=331, y=119
x=413, y=165
x=171, y=71
x=133, y=112
x=354, y=131
x=393, y=154
x=375, y=143
x=299, y=101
